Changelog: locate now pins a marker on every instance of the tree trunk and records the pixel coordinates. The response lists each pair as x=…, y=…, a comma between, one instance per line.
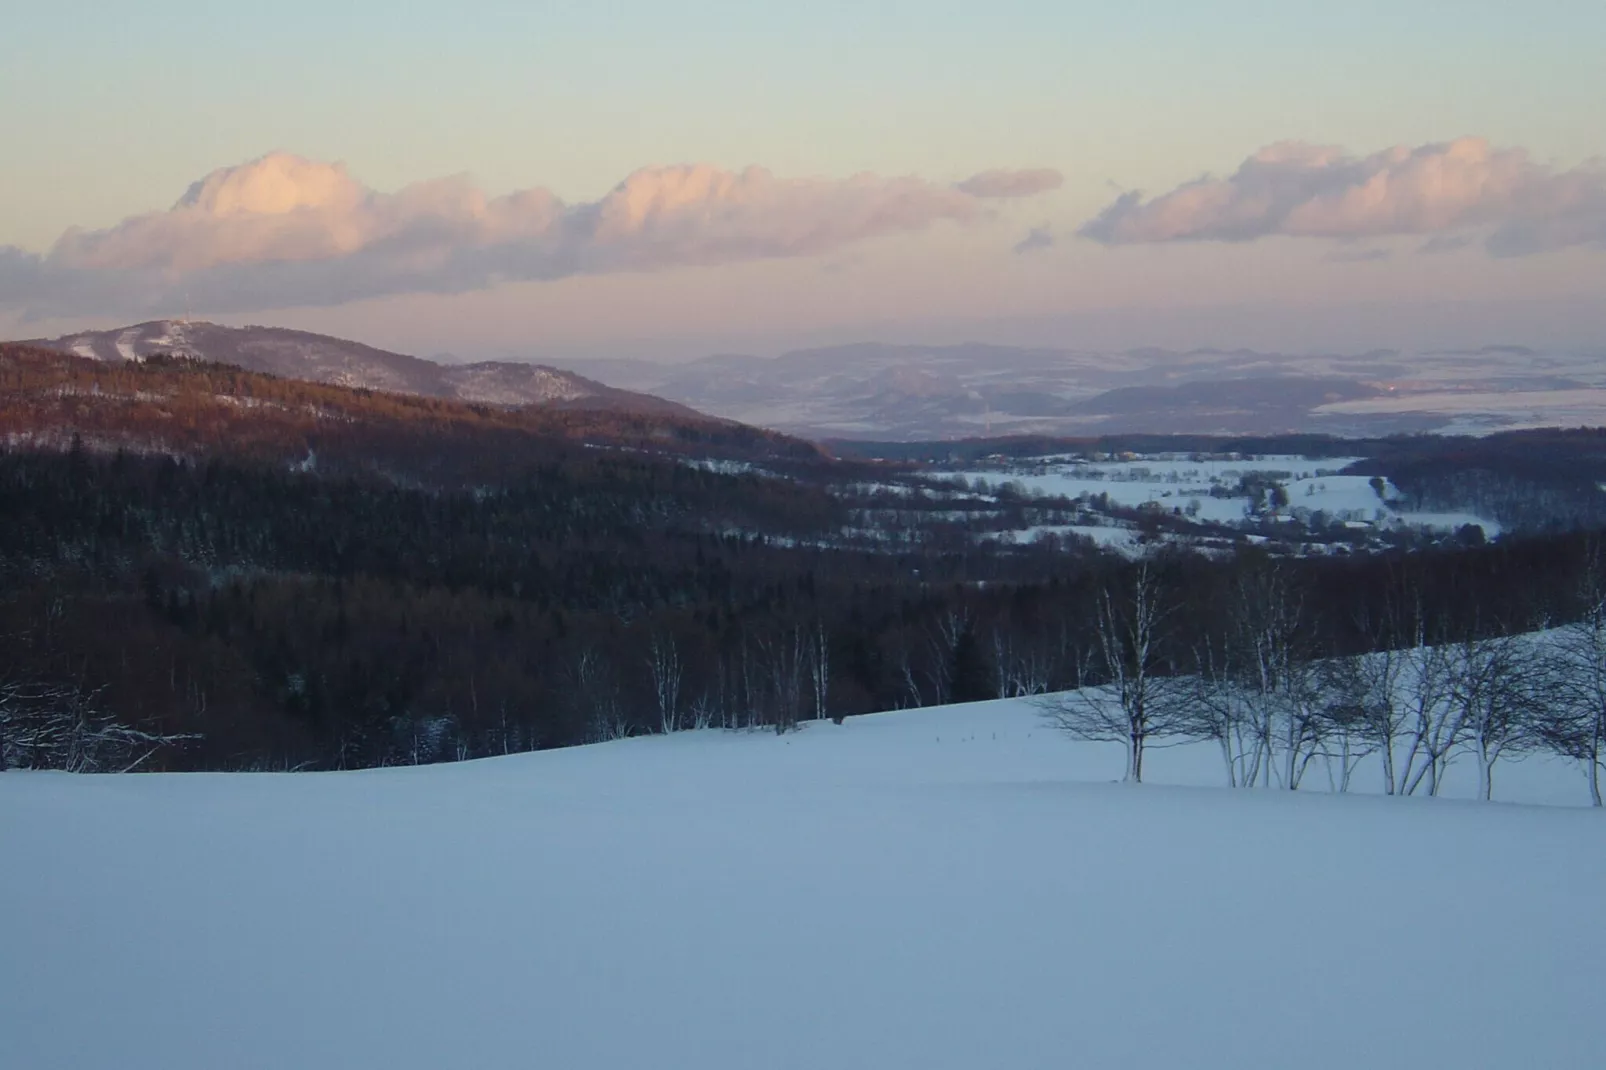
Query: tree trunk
x=1595, y=767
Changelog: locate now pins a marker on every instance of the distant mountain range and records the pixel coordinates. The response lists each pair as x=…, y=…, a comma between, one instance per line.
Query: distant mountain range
x=322, y=359
x=911, y=393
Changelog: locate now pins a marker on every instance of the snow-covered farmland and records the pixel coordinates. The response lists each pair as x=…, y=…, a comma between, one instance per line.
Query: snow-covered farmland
x=1207, y=490
x=950, y=888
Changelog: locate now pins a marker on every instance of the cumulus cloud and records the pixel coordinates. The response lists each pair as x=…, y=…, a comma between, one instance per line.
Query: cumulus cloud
x=1318, y=191
x=282, y=231
x=1026, y=183
x=1037, y=238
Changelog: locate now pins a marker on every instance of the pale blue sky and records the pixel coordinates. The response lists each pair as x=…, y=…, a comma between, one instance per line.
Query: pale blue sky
x=111, y=110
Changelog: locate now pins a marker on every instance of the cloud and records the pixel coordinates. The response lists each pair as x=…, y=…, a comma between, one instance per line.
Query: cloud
x=1304, y=190
x=1359, y=256
x=1012, y=183
x=1037, y=238
x=1444, y=243
x=283, y=231
x=21, y=274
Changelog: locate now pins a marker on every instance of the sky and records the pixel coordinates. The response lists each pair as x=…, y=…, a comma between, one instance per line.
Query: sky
x=641, y=179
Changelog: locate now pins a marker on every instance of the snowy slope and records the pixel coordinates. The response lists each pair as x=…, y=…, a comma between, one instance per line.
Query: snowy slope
x=951, y=888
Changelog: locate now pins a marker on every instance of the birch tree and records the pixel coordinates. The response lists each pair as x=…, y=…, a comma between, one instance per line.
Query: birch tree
x=1215, y=712
x=1578, y=726
x=1279, y=696
x=596, y=693
x=664, y=665
x=1364, y=708
x=1496, y=693
x=820, y=670
x=1141, y=699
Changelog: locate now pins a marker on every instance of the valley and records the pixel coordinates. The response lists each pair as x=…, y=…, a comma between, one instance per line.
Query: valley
x=911, y=392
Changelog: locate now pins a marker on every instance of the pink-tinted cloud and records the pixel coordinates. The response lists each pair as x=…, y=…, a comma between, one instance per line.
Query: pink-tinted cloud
x=282, y=231
x=1304, y=190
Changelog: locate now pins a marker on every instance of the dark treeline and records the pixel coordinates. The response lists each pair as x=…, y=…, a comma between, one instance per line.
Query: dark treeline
x=236, y=615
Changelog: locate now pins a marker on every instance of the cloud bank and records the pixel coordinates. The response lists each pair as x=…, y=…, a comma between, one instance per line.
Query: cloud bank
x=285, y=231
x=1441, y=189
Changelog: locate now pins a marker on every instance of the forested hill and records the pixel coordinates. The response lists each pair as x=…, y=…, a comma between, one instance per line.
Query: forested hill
x=192, y=408
x=324, y=359
x=204, y=567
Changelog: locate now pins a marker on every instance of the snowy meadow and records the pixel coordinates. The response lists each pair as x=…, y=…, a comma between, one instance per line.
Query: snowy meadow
x=955, y=887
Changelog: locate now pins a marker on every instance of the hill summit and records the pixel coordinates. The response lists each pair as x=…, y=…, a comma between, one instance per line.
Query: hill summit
x=320, y=358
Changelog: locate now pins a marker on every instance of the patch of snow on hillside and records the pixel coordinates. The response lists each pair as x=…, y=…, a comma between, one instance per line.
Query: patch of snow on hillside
x=1109, y=537
x=125, y=343
x=498, y=385
x=1442, y=521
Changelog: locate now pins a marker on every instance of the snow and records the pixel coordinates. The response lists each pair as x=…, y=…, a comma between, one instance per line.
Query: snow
x=1110, y=537
x=1173, y=482
x=950, y=888
x=1447, y=521
x=1176, y=483
x=728, y=468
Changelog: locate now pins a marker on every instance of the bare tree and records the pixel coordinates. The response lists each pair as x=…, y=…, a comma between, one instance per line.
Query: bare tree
x=1435, y=727
x=1023, y=668
x=54, y=725
x=785, y=669
x=1279, y=695
x=596, y=694
x=702, y=711
x=1497, y=692
x=1373, y=683
x=1364, y=713
x=663, y=662
x=820, y=670
x=1414, y=677
x=1577, y=727
x=1141, y=700
x=1215, y=711
x=910, y=686
x=943, y=640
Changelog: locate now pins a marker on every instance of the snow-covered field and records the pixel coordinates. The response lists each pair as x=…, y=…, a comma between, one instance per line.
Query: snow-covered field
x=949, y=888
x=1181, y=483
